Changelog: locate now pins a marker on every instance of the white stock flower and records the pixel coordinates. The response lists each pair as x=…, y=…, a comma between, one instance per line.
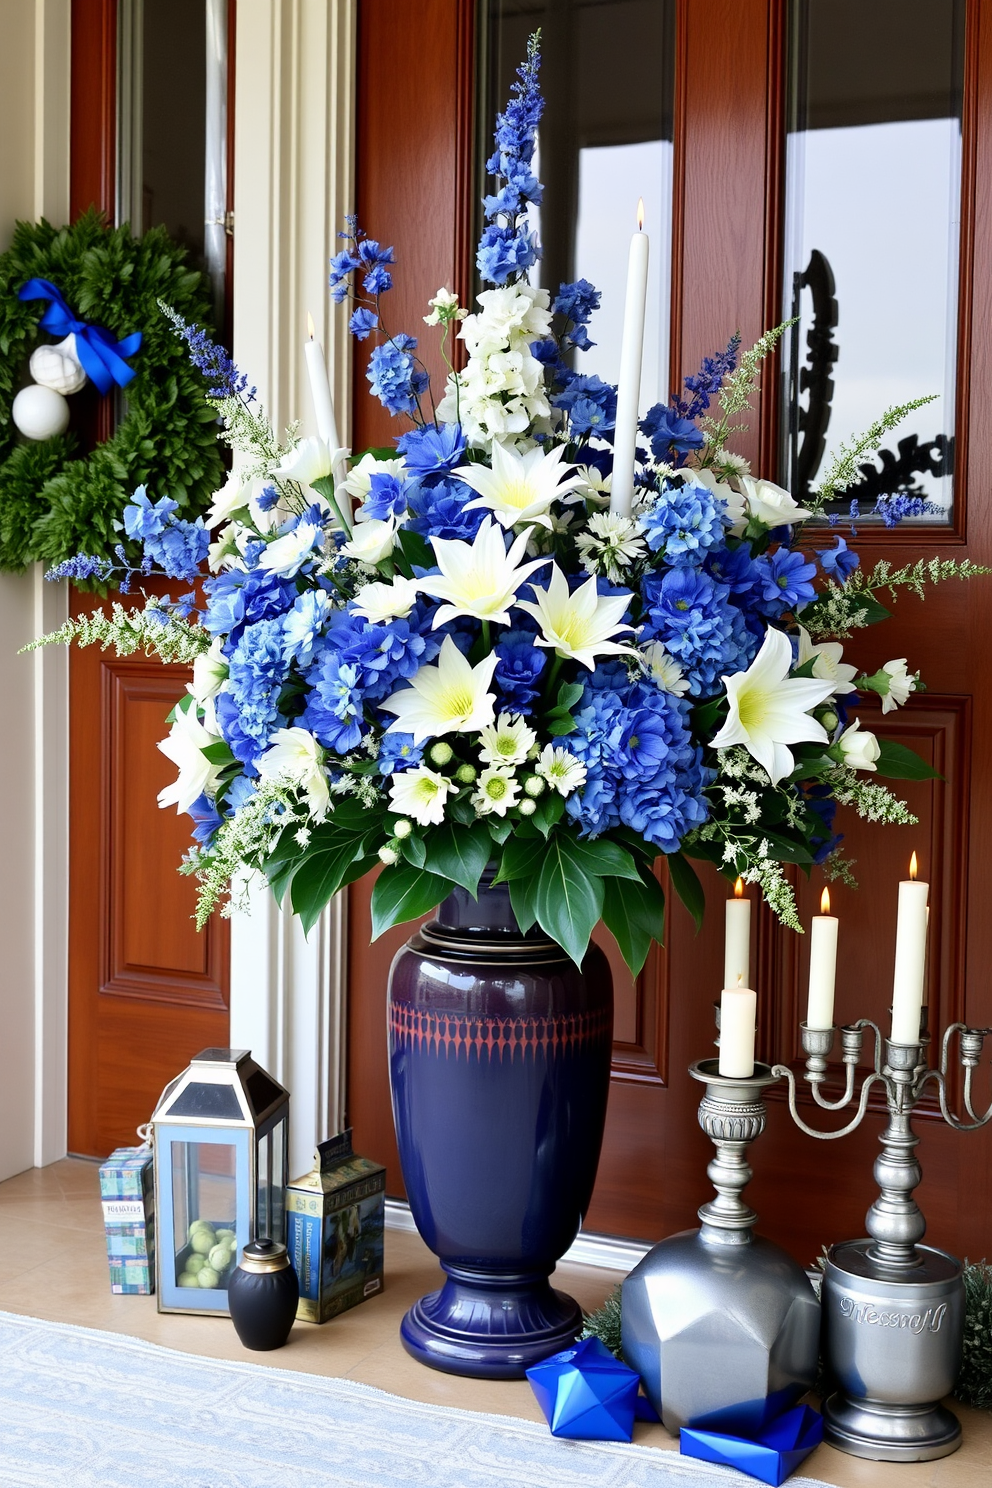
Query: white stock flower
x=371, y=541
x=449, y=697
x=295, y=756
x=184, y=747
x=663, y=669
x=520, y=487
x=509, y=318
x=420, y=793
x=209, y=671
x=901, y=683
x=578, y=625
x=378, y=602
x=286, y=555
x=507, y=742
x=828, y=665
x=560, y=769
x=358, y=481
x=769, y=503
x=478, y=578
x=859, y=747
x=444, y=309
x=769, y=709
x=496, y=791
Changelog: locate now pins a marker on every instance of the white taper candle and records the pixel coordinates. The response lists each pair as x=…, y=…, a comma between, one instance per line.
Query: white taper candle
x=911, y=959
x=629, y=384
x=737, y=941
x=822, y=966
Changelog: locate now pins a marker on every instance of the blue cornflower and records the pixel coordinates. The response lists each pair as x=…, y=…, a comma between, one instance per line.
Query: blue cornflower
x=144, y=518
x=736, y=568
x=785, y=581
x=362, y=323
x=576, y=302
x=432, y=450
x=668, y=430
x=207, y=819
x=838, y=562
x=505, y=252
x=387, y=496
x=394, y=377
x=591, y=404
x=377, y=281
x=334, y=709
x=398, y=752
x=370, y=254
x=268, y=499
x=685, y=522
x=518, y=670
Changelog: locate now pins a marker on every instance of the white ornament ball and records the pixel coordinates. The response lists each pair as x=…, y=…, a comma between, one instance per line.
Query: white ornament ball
x=40, y=412
x=58, y=367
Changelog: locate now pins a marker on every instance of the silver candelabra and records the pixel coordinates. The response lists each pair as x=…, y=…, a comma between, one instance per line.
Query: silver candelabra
x=893, y=1308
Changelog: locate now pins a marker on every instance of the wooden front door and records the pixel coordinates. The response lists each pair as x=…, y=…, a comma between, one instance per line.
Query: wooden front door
x=146, y=992
x=732, y=135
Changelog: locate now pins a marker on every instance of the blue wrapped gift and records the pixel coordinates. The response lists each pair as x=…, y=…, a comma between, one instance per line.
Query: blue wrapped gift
x=771, y=1455
x=586, y=1393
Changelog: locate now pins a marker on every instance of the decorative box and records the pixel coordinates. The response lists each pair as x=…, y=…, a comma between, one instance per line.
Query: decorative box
x=586, y=1394
x=126, y=1190
x=335, y=1220
x=771, y=1455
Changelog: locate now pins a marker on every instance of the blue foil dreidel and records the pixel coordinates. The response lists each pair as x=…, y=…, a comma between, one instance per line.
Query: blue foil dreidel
x=586, y=1393
x=771, y=1455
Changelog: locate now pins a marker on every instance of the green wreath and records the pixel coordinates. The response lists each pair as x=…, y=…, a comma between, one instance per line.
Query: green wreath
x=54, y=502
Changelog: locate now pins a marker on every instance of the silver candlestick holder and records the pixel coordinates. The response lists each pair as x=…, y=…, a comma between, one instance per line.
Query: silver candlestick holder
x=722, y=1326
x=893, y=1308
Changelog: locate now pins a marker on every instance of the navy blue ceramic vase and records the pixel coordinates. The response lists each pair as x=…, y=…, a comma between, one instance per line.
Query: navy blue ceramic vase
x=500, y=1066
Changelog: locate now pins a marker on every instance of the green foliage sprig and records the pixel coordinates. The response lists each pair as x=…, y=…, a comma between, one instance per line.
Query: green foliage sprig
x=55, y=502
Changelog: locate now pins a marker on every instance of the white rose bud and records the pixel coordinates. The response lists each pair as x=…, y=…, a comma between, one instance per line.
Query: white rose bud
x=859, y=748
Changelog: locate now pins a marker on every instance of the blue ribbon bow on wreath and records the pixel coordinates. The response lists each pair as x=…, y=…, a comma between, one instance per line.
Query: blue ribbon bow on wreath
x=100, y=356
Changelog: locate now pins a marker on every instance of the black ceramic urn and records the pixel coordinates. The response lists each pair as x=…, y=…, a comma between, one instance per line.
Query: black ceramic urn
x=263, y=1294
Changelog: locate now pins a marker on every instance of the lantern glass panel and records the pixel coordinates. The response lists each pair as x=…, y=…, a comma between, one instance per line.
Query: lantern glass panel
x=271, y=1221
x=204, y=1208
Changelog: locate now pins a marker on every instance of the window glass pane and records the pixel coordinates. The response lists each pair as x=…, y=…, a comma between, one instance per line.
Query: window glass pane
x=204, y=1209
x=605, y=140
x=872, y=233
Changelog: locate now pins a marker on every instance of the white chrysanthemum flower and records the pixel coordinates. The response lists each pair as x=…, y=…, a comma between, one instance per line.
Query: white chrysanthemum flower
x=371, y=541
x=444, y=309
x=769, y=709
x=496, y=791
x=828, y=665
x=519, y=487
x=859, y=747
x=295, y=756
x=380, y=602
x=901, y=683
x=187, y=740
x=450, y=697
x=769, y=503
x=507, y=742
x=610, y=544
x=478, y=578
x=560, y=769
x=286, y=555
x=663, y=669
x=358, y=481
x=594, y=485
x=420, y=793
x=578, y=625
x=729, y=463
x=209, y=671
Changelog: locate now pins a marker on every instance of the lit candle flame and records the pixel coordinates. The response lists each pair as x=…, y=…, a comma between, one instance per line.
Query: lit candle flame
x=739, y=889
x=825, y=902
x=913, y=866
x=310, y=330
x=640, y=214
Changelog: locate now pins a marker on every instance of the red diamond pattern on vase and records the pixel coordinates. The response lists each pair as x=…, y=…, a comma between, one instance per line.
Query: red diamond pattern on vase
x=490, y=1037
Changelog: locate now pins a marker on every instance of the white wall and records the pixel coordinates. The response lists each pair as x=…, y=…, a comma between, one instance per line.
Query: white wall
x=34, y=182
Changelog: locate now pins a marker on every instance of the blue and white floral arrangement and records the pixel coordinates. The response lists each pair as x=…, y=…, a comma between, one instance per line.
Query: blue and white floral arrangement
x=458, y=654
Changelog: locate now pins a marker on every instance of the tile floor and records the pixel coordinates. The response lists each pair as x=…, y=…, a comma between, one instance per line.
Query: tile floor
x=55, y=1266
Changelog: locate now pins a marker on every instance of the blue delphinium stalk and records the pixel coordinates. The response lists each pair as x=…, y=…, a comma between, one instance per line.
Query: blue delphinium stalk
x=225, y=380
x=506, y=249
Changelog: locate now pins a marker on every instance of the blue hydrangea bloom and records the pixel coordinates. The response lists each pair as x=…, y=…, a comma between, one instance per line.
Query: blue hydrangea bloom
x=179, y=549
x=838, y=562
x=236, y=599
x=736, y=568
x=385, y=655
x=248, y=709
x=432, y=450
x=334, y=710
x=505, y=253
x=668, y=430
x=387, y=496
x=785, y=581
x=398, y=752
x=439, y=510
x=685, y=522
x=303, y=626
x=691, y=613
x=393, y=375
x=144, y=518
x=518, y=670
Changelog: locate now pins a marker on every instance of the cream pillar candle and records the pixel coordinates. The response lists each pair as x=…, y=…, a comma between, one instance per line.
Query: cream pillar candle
x=320, y=389
x=911, y=958
x=629, y=384
x=737, y=942
x=737, y=1025
x=822, y=966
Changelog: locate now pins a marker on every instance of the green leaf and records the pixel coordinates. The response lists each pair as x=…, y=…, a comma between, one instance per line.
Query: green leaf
x=559, y=726
x=786, y=849
x=874, y=611
x=568, y=899
x=405, y=893
x=460, y=809
x=522, y=902
x=415, y=548
x=635, y=916
x=604, y=859
x=686, y=884
x=218, y=754
x=500, y=828
x=568, y=695
x=706, y=715
x=899, y=763
x=521, y=859
x=414, y=849
x=459, y=853
x=550, y=808
x=318, y=878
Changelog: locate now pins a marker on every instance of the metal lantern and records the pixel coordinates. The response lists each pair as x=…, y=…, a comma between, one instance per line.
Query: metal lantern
x=221, y=1138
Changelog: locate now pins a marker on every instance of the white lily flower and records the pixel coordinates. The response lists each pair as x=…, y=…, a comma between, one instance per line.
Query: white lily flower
x=507, y=742
x=371, y=541
x=520, y=487
x=295, y=756
x=308, y=461
x=769, y=709
x=478, y=578
x=379, y=602
x=184, y=747
x=859, y=747
x=578, y=625
x=286, y=555
x=420, y=793
x=901, y=683
x=663, y=669
x=209, y=672
x=450, y=697
x=828, y=665
x=358, y=481
x=769, y=503
x=496, y=791
x=561, y=769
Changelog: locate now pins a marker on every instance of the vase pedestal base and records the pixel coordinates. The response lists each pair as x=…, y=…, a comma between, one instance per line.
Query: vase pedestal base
x=890, y=1433
x=490, y=1325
